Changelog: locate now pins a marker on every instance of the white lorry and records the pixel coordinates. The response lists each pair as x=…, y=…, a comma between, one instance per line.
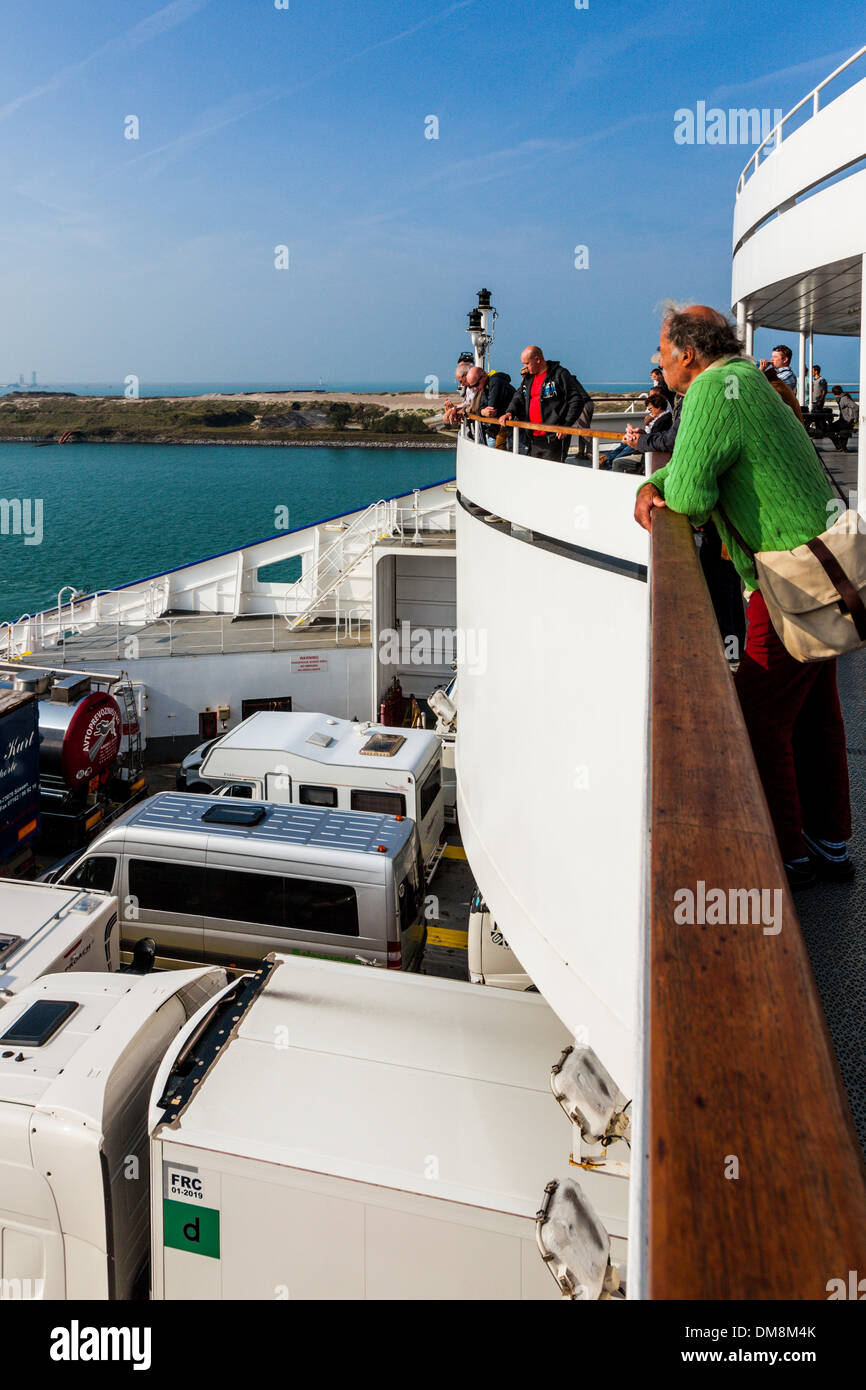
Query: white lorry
x=78, y=1054
x=317, y=760
x=357, y=1136
x=47, y=929
x=313, y=1133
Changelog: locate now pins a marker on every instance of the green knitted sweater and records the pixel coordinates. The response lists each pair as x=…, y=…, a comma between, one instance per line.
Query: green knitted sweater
x=740, y=449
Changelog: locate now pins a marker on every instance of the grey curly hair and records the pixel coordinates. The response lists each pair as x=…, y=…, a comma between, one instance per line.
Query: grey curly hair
x=708, y=337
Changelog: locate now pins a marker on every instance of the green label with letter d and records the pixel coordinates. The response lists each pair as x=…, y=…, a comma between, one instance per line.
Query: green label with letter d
x=185, y=1227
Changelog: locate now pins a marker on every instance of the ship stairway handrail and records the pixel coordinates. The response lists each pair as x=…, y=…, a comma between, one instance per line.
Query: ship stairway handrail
x=325, y=576
x=753, y=1183
x=334, y=564
x=776, y=135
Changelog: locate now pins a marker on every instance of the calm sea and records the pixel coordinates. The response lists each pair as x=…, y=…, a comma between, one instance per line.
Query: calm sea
x=112, y=513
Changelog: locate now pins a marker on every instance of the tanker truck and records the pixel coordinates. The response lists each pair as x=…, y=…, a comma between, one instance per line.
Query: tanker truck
x=19, y=779
x=89, y=751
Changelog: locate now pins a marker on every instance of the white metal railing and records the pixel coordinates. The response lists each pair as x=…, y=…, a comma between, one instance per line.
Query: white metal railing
x=471, y=429
x=188, y=634
x=776, y=135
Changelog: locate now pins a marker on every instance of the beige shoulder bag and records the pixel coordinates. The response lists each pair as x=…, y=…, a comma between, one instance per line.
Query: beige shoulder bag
x=816, y=593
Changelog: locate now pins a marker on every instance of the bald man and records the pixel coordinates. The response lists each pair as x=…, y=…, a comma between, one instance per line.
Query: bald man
x=549, y=396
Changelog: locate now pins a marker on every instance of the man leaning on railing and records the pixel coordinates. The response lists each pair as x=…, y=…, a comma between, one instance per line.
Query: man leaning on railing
x=742, y=457
x=549, y=396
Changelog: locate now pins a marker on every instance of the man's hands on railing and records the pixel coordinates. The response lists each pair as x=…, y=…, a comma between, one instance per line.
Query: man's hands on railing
x=509, y=420
x=648, y=498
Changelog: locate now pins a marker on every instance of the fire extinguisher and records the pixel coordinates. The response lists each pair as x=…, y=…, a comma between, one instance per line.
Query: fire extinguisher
x=391, y=708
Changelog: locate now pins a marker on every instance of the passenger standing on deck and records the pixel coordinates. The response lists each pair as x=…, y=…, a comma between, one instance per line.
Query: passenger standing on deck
x=819, y=388
x=742, y=457
x=548, y=395
x=780, y=358
x=461, y=371
x=847, y=417
x=659, y=384
x=490, y=393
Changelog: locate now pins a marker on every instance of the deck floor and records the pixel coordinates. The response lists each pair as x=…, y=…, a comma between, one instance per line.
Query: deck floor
x=199, y=636
x=833, y=916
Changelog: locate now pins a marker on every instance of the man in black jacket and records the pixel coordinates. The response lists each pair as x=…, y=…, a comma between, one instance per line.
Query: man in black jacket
x=493, y=393
x=549, y=395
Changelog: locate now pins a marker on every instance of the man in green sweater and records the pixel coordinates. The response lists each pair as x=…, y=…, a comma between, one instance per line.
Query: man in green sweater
x=742, y=456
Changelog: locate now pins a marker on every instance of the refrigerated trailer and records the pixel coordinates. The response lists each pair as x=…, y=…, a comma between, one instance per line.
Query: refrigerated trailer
x=353, y=1135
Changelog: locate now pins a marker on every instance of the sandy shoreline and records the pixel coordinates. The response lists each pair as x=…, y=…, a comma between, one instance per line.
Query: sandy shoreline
x=390, y=400
x=338, y=442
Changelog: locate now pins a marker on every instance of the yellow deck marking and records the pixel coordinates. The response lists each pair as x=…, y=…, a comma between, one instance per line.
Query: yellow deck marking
x=453, y=852
x=446, y=936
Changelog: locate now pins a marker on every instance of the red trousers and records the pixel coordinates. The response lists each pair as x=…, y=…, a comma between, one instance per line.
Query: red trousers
x=794, y=719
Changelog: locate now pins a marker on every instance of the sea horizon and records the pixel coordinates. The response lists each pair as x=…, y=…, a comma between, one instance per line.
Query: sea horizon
x=202, y=388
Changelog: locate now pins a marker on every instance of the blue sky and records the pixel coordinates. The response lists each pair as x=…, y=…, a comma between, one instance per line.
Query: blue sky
x=305, y=127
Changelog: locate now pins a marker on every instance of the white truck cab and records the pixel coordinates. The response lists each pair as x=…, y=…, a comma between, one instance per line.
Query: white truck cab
x=49, y=929
x=78, y=1054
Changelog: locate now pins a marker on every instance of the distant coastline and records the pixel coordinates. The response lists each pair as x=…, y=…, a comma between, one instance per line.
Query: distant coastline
x=344, y=419
x=288, y=419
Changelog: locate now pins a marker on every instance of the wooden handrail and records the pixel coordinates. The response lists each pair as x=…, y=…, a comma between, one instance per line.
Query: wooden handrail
x=493, y=420
x=742, y=1076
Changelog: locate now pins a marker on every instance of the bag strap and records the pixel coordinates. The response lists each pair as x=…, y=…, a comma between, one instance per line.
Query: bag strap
x=851, y=599
x=844, y=588
x=747, y=549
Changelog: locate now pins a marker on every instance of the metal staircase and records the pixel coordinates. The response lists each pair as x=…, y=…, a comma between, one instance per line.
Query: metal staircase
x=129, y=763
x=322, y=581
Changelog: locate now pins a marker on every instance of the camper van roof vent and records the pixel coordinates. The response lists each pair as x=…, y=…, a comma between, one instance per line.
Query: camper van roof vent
x=382, y=745
x=320, y=740
x=234, y=815
x=40, y=1022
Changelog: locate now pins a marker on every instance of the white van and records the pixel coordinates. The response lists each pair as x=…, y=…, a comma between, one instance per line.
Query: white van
x=317, y=760
x=224, y=881
x=78, y=1055
x=45, y=929
x=491, y=960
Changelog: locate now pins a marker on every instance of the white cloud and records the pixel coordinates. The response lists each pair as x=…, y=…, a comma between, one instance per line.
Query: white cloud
x=151, y=28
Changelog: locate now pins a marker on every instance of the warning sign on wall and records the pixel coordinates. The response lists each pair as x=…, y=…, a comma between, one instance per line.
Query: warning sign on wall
x=309, y=661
